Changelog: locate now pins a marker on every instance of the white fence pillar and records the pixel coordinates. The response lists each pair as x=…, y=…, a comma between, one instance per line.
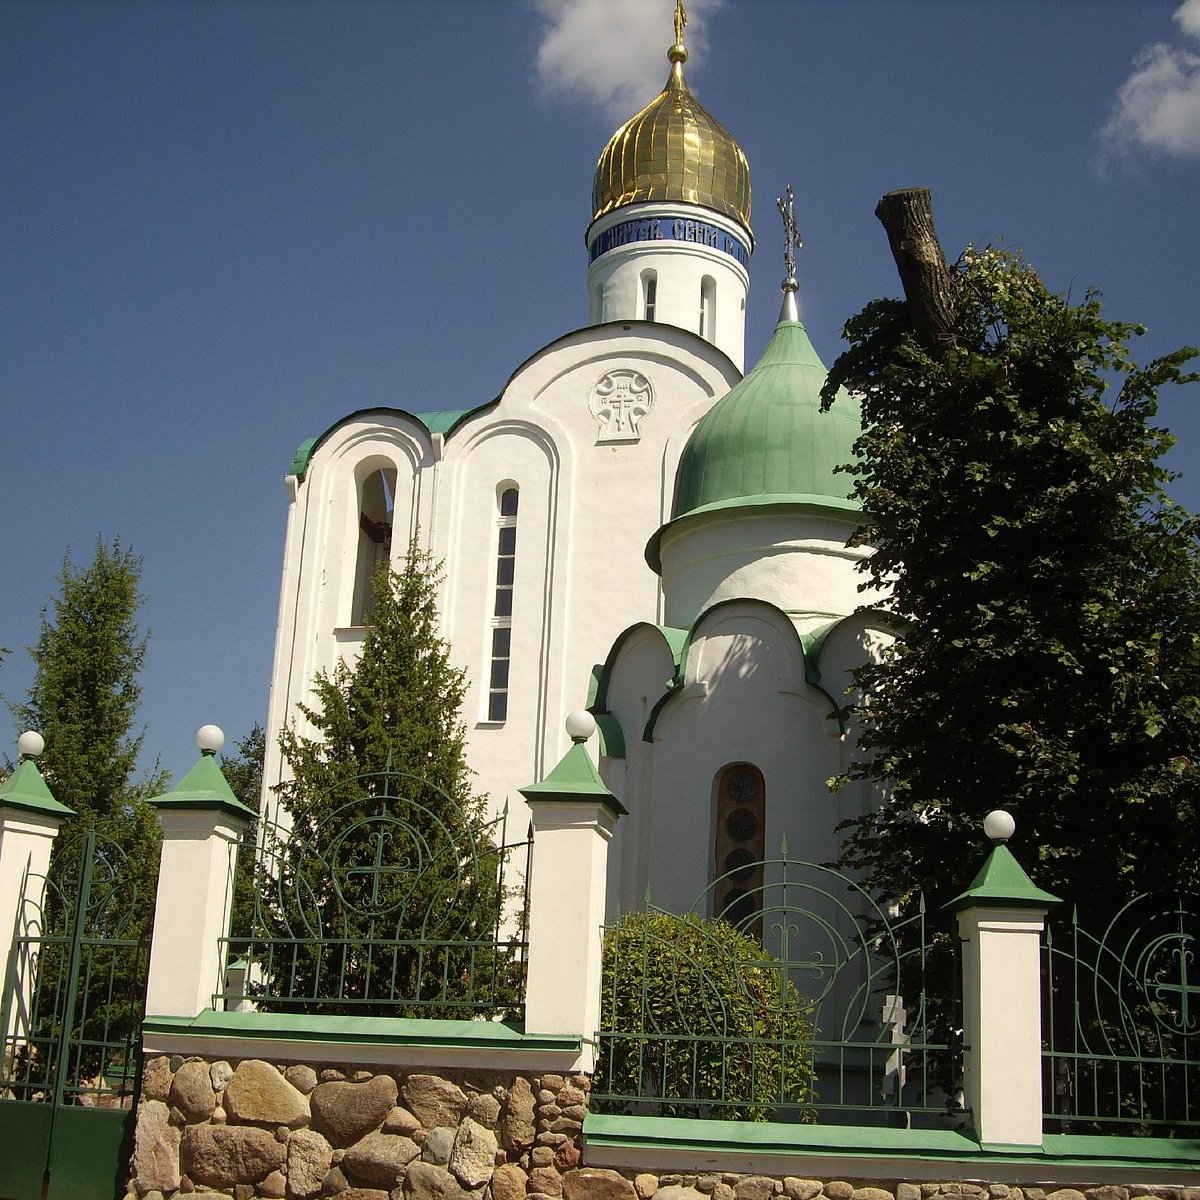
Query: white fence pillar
x=30, y=819
x=573, y=817
x=1001, y=917
x=202, y=822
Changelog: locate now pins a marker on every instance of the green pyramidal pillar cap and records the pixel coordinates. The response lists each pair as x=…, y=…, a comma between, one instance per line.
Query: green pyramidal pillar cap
x=26, y=790
x=575, y=777
x=1001, y=882
x=204, y=787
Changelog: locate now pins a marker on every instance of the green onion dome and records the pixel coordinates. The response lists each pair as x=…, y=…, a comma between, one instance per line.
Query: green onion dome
x=768, y=441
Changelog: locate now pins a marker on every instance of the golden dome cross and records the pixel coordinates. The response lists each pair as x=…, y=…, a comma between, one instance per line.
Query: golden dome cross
x=680, y=21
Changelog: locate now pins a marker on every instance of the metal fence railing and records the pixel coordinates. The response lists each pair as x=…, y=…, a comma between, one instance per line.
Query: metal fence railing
x=1122, y=1020
x=808, y=1003
x=394, y=902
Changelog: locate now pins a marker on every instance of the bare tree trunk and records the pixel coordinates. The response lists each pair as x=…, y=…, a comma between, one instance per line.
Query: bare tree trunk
x=907, y=215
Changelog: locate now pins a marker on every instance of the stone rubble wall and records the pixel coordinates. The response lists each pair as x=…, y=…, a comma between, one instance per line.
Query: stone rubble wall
x=289, y=1131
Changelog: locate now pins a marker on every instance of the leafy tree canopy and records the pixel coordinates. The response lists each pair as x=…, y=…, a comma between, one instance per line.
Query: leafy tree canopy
x=1048, y=587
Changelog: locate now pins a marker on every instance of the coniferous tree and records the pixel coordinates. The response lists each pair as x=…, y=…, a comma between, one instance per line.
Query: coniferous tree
x=244, y=774
x=84, y=700
x=386, y=871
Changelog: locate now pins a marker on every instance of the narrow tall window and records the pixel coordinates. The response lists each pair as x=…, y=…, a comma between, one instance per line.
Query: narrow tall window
x=376, y=502
x=649, y=294
x=708, y=308
x=502, y=607
x=739, y=847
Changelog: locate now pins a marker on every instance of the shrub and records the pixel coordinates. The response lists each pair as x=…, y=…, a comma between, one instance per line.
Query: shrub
x=698, y=1021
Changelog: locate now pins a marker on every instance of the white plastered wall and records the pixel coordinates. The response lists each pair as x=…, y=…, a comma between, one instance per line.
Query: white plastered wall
x=588, y=505
x=615, y=277
x=744, y=699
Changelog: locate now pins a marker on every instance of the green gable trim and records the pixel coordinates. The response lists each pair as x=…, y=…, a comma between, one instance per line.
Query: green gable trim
x=25, y=789
x=574, y=778
x=612, y=736
x=742, y=1138
x=1002, y=883
x=383, y=1031
x=301, y=457
x=442, y=420
x=204, y=787
x=676, y=642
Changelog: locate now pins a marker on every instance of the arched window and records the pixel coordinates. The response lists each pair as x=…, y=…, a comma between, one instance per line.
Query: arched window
x=376, y=501
x=502, y=607
x=708, y=308
x=739, y=846
x=649, y=295
x=596, y=305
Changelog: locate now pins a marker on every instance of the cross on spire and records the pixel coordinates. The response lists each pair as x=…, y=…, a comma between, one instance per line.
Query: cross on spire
x=680, y=21
x=792, y=241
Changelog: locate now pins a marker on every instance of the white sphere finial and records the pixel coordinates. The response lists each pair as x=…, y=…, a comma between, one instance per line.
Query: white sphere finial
x=998, y=825
x=580, y=725
x=210, y=738
x=30, y=744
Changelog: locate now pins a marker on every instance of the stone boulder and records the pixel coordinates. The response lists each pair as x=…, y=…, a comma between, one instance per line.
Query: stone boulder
x=508, y=1183
x=156, y=1079
x=346, y=1112
x=192, y=1092
x=380, y=1158
x=597, y=1183
x=223, y=1155
x=309, y=1157
x=258, y=1094
x=424, y=1181
x=155, y=1148
x=473, y=1158
x=517, y=1129
x=434, y=1101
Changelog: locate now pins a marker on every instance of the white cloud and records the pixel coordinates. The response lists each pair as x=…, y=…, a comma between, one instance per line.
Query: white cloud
x=612, y=54
x=1158, y=106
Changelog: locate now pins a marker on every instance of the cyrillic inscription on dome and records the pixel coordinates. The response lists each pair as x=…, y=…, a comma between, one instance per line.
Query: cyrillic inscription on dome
x=619, y=401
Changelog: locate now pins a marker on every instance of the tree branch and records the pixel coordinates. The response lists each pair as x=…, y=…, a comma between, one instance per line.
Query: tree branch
x=907, y=216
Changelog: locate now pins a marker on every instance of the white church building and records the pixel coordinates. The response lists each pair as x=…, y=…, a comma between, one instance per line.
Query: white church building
x=632, y=526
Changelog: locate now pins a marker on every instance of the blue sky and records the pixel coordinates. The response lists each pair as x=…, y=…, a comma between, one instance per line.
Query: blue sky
x=226, y=223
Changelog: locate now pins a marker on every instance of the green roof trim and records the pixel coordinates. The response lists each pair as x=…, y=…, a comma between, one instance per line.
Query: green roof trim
x=204, y=787
x=1002, y=883
x=25, y=789
x=676, y=642
x=612, y=736
x=574, y=778
x=442, y=420
x=383, y=1031
x=742, y=1138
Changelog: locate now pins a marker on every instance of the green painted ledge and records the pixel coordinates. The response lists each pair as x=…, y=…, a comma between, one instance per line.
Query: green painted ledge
x=858, y=1141
x=360, y=1031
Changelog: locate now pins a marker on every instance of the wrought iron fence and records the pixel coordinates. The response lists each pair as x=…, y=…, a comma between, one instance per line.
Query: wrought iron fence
x=74, y=987
x=1122, y=1019
x=817, y=1012
x=395, y=902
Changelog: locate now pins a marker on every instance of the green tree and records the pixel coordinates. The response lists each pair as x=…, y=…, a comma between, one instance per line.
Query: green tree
x=386, y=883
x=84, y=700
x=244, y=774
x=699, y=1022
x=1048, y=587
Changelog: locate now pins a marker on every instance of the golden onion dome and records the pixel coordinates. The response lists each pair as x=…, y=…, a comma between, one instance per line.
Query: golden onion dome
x=674, y=149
